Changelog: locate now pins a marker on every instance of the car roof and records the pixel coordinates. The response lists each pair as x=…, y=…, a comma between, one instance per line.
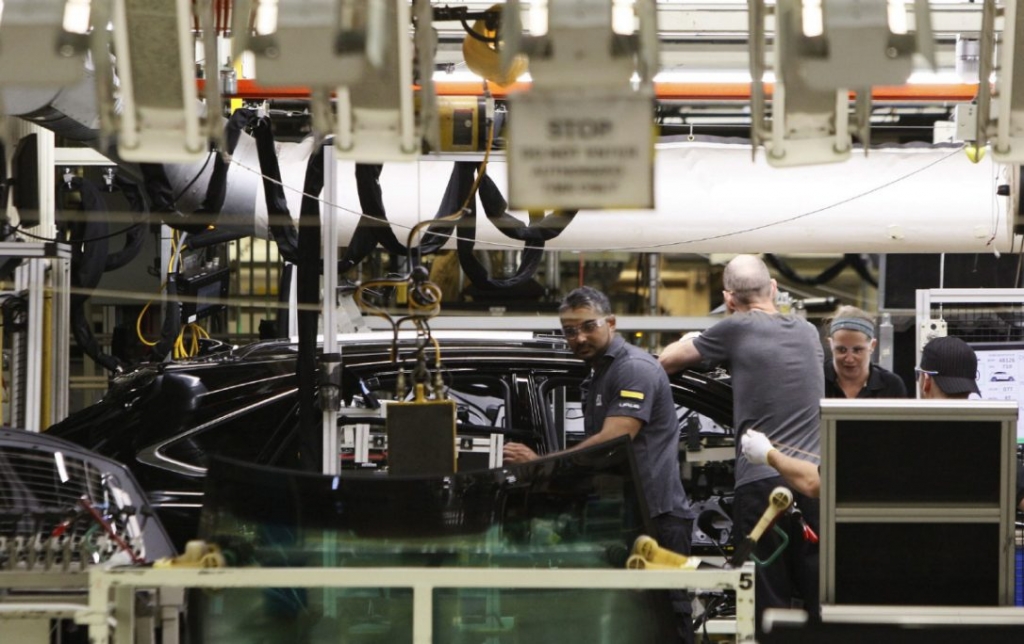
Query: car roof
x=484, y=341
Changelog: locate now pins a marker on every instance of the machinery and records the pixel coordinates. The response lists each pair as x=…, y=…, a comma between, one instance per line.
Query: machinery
x=343, y=142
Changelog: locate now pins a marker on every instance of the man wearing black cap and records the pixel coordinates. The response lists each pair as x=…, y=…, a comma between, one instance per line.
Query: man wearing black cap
x=949, y=369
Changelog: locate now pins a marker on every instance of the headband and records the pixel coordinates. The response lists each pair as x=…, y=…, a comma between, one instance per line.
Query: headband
x=853, y=324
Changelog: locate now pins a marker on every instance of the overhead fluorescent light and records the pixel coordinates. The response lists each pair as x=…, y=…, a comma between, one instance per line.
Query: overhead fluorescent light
x=922, y=77
x=76, y=16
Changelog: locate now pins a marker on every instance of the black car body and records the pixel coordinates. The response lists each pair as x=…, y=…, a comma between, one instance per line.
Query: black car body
x=165, y=421
x=53, y=497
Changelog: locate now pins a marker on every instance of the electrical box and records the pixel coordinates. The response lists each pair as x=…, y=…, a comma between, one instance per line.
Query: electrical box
x=203, y=292
x=966, y=117
x=421, y=438
x=935, y=328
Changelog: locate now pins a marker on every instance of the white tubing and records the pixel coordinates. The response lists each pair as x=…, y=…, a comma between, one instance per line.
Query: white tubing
x=712, y=198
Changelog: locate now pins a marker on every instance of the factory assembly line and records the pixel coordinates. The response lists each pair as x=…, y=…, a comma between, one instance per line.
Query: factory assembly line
x=554, y=321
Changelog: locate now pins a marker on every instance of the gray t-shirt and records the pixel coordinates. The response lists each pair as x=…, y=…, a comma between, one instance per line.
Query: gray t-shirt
x=777, y=381
x=629, y=382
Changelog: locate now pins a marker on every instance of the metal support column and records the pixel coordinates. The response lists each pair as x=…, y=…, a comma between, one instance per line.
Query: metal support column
x=46, y=269
x=329, y=304
x=27, y=366
x=552, y=272
x=653, y=281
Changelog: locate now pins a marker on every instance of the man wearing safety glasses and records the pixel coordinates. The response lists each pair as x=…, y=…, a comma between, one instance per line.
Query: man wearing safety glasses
x=628, y=394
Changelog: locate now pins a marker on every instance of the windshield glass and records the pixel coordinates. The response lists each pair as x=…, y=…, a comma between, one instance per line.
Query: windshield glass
x=578, y=510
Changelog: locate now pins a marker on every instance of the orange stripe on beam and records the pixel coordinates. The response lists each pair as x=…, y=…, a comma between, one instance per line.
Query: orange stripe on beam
x=954, y=93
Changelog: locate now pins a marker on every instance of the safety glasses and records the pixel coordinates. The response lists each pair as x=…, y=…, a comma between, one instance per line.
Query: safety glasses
x=587, y=326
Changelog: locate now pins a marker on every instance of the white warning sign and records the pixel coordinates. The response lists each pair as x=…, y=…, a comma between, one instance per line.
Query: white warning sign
x=580, y=152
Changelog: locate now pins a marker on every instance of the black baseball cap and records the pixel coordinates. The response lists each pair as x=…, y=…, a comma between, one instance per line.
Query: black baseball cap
x=953, y=363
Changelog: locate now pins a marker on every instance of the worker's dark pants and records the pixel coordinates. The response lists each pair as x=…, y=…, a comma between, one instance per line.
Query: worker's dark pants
x=791, y=581
x=674, y=532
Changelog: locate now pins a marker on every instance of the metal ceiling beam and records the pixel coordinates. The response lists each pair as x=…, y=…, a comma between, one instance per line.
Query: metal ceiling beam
x=710, y=21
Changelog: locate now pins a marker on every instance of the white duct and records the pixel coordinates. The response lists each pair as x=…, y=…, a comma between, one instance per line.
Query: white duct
x=711, y=198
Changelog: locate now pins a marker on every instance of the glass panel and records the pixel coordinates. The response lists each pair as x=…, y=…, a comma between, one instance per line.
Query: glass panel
x=580, y=510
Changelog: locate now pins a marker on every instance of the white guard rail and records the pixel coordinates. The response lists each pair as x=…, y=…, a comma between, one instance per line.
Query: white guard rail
x=102, y=617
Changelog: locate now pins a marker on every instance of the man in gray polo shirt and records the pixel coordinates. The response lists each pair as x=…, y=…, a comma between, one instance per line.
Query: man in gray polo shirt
x=628, y=394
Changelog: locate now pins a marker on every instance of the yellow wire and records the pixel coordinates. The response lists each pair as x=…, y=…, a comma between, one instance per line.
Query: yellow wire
x=175, y=252
x=379, y=312
x=138, y=320
x=196, y=333
x=179, y=346
x=437, y=350
x=433, y=307
x=138, y=326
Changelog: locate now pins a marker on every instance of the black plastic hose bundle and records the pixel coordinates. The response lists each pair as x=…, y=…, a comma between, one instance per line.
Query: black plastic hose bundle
x=540, y=229
x=90, y=258
x=373, y=228
x=855, y=261
x=278, y=216
x=135, y=235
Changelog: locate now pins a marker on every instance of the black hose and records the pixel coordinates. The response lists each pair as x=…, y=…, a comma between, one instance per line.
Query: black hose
x=852, y=260
x=278, y=215
x=308, y=295
x=373, y=228
x=135, y=235
x=88, y=263
x=458, y=191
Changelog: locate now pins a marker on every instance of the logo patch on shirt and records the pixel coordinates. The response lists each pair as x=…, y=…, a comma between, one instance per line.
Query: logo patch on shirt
x=625, y=404
x=635, y=395
x=598, y=402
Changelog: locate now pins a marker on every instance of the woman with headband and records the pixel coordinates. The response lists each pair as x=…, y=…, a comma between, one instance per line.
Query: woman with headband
x=850, y=373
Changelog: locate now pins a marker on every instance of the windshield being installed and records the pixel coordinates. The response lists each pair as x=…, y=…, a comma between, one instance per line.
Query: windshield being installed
x=576, y=510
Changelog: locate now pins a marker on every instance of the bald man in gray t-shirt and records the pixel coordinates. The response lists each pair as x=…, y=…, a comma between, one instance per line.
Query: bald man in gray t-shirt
x=775, y=362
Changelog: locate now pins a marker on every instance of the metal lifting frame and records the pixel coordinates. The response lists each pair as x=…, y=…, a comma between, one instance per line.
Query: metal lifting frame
x=926, y=298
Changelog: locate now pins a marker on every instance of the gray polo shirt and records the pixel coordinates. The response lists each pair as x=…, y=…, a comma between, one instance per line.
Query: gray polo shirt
x=777, y=382
x=628, y=381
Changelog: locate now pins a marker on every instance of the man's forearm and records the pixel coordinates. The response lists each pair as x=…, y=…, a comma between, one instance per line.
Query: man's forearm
x=679, y=355
x=613, y=427
x=803, y=476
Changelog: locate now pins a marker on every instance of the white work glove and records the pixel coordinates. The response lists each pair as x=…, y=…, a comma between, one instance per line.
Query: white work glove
x=755, y=446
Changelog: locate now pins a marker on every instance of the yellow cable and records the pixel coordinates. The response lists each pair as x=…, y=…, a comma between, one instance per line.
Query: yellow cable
x=175, y=251
x=138, y=326
x=379, y=312
x=437, y=351
x=432, y=307
x=196, y=332
x=455, y=216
